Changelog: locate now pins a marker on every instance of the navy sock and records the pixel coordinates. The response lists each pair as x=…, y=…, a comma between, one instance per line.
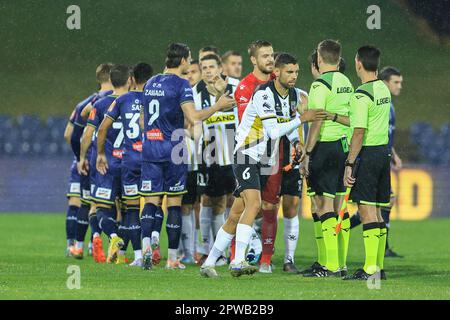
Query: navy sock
x=134, y=227
x=82, y=222
x=355, y=220
x=71, y=222
x=173, y=226
x=148, y=219
x=123, y=231
x=106, y=220
x=93, y=223
x=159, y=217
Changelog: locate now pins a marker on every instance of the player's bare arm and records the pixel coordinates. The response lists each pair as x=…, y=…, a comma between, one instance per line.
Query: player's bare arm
x=68, y=132
x=225, y=102
x=102, y=162
x=86, y=140
x=396, y=161
x=355, y=148
x=86, y=111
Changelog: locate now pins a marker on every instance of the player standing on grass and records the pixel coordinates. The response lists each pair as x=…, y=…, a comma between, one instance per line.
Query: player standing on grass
x=218, y=142
x=393, y=78
x=107, y=184
x=326, y=149
x=73, y=134
x=167, y=101
x=128, y=108
x=271, y=113
x=369, y=118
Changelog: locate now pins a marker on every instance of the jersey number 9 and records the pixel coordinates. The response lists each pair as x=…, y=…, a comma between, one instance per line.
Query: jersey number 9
x=153, y=111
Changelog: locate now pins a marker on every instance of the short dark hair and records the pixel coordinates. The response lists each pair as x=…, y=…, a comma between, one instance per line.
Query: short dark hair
x=313, y=60
x=195, y=61
x=102, y=72
x=230, y=53
x=256, y=45
x=212, y=57
x=330, y=51
x=210, y=48
x=119, y=75
x=342, y=65
x=369, y=56
x=142, y=72
x=387, y=72
x=175, y=53
x=284, y=58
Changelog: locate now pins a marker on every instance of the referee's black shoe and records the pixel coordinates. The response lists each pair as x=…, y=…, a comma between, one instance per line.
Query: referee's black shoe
x=360, y=274
x=322, y=272
x=315, y=265
x=290, y=267
x=383, y=275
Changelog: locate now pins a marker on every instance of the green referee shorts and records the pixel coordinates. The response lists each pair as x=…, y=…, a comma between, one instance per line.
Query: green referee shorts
x=373, y=178
x=326, y=169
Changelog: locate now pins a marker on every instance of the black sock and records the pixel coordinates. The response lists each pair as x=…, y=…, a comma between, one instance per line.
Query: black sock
x=148, y=219
x=173, y=226
x=71, y=222
x=159, y=217
x=355, y=220
x=82, y=222
x=106, y=220
x=134, y=227
x=93, y=223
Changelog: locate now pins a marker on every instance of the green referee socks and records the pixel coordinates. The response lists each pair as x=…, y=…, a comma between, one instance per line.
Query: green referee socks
x=382, y=245
x=321, y=253
x=329, y=237
x=343, y=239
x=371, y=234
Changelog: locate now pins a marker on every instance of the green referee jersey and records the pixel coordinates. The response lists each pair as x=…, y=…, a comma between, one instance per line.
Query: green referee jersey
x=332, y=92
x=369, y=109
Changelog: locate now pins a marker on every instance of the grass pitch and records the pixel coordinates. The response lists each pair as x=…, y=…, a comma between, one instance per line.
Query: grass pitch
x=33, y=266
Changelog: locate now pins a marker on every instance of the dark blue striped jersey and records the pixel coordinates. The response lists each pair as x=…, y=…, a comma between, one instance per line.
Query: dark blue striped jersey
x=114, y=136
x=163, y=117
x=128, y=108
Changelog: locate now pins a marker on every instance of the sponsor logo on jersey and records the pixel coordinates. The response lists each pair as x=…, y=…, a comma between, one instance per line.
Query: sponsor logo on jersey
x=117, y=153
x=383, y=101
x=226, y=118
x=103, y=193
x=242, y=87
x=267, y=107
x=131, y=190
x=155, y=134
x=283, y=120
x=86, y=194
x=344, y=90
x=243, y=99
x=156, y=85
x=75, y=187
x=137, y=146
x=177, y=188
x=146, y=185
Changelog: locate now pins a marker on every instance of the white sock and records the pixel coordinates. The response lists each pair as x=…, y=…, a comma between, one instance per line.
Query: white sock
x=291, y=230
x=257, y=225
x=217, y=223
x=172, y=254
x=255, y=243
x=146, y=243
x=243, y=235
x=186, y=235
x=205, y=227
x=155, y=236
x=227, y=213
x=137, y=254
x=196, y=240
x=223, y=240
x=80, y=244
x=193, y=233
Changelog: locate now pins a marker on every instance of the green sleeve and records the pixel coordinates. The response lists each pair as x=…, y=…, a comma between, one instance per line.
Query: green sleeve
x=359, y=110
x=317, y=97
